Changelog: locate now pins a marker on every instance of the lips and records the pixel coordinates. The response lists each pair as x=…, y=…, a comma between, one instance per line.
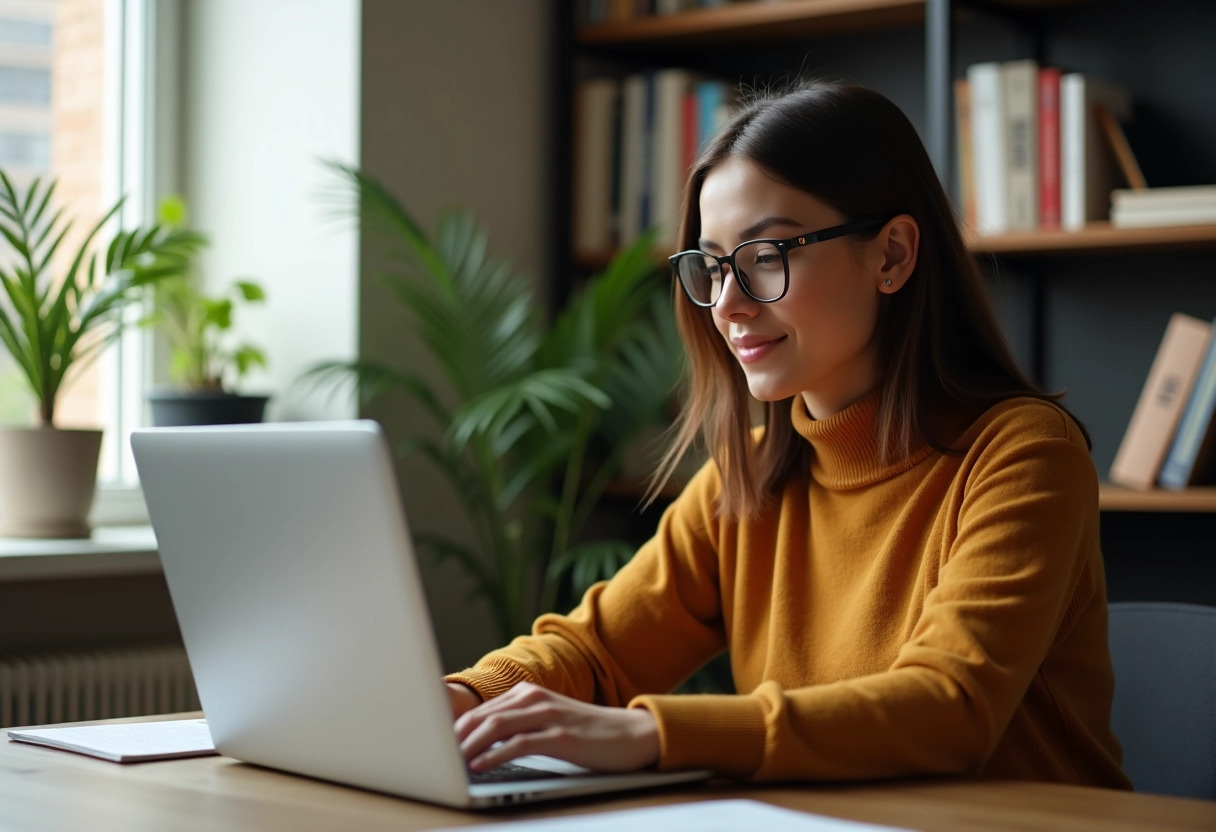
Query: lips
x=751, y=348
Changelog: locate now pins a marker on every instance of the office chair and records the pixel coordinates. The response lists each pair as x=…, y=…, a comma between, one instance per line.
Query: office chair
x=1164, y=658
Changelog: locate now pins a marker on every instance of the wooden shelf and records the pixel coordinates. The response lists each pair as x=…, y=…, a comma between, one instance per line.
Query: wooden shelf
x=1095, y=238
x=755, y=21
x=760, y=21
x=1117, y=498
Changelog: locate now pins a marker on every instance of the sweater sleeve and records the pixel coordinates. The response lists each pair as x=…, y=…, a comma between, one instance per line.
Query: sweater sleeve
x=1026, y=531
x=644, y=631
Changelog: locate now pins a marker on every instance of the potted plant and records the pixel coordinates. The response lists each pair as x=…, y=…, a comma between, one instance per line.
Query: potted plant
x=205, y=367
x=58, y=310
x=535, y=414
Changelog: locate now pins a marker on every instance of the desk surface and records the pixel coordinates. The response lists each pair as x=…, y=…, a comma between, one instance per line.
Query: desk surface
x=45, y=789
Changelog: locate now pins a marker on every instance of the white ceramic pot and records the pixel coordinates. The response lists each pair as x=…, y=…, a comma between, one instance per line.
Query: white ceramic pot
x=47, y=480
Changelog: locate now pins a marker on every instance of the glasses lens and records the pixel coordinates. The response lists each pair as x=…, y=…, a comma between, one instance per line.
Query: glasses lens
x=763, y=269
x=701, y=277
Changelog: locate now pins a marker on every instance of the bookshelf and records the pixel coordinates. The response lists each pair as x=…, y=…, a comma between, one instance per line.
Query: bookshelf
x=1085, y=309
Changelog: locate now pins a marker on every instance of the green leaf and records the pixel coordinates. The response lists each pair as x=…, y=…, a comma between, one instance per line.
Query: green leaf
x=250, y=291
x=172, y=211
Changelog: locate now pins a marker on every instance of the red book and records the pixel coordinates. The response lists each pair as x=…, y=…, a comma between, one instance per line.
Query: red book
x=688, y=132
x=1049, y=147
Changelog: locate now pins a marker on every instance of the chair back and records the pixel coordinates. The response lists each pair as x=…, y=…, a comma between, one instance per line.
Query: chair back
x=1164, y=657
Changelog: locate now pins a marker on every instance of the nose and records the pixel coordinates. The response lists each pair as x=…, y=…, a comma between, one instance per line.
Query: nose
x=733, y=302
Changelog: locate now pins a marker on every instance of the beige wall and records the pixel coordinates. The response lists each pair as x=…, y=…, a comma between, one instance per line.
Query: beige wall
x=454, y=103
x=446, y=103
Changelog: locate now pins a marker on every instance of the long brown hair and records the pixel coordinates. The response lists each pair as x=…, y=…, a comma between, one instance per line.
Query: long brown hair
x=939, y=343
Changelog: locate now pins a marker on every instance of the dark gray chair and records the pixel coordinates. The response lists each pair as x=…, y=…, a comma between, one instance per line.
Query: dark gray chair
x=1164, y=657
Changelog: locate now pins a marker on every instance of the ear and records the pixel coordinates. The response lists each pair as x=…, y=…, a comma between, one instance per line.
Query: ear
x=898, y=244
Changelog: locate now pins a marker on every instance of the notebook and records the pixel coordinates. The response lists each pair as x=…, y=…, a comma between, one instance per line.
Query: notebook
x=292, y=573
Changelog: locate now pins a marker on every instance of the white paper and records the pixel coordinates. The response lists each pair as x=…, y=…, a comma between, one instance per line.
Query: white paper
x=703, y=816
x=126, y=742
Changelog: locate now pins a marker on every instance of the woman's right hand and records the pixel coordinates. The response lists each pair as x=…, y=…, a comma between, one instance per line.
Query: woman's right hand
x=462, y=698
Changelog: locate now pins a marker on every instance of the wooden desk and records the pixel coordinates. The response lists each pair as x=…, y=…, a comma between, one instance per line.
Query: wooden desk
x=45, y=789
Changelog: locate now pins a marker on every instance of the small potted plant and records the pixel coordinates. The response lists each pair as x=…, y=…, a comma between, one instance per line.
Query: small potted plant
x=205, y=367
x=58, y=309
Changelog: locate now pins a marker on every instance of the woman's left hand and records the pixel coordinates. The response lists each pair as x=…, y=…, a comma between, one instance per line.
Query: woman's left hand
x=529, y=719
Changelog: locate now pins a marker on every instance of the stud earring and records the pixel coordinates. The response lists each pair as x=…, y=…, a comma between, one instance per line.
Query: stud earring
x=887, y=282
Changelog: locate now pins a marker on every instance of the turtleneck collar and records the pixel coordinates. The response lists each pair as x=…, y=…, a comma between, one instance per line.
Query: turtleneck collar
x=846, y=445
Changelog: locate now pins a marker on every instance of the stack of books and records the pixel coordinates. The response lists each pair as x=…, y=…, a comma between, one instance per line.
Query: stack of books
x=1171, y=438
x=635, y=141
x=1145, y=207
x=1034, y=149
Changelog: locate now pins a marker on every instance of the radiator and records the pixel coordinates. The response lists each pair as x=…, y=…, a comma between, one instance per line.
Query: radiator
x=72, y=685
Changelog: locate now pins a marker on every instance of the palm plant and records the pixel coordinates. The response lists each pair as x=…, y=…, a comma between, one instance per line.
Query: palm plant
x=536, y=414
x=54, y=323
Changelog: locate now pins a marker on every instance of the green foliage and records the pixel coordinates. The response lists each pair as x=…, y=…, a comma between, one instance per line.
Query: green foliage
x=197, y=325
x=535, y=415
x=54, y=322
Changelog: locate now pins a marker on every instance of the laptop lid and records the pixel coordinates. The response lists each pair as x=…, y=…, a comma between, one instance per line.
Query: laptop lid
x=292, y=574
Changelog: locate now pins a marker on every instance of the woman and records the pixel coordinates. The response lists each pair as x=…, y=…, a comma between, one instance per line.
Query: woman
x=903, y=561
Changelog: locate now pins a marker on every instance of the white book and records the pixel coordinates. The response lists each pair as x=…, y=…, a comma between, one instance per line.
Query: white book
x=667, y=185
x=596, y=102
x=988, y=147
x=1185, y=196
x=1020, y=97
x=1160, y=217
x=1088, y=170
x=633, y=157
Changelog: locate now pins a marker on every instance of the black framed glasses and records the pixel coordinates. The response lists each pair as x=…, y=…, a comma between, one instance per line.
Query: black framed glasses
x=761, y=267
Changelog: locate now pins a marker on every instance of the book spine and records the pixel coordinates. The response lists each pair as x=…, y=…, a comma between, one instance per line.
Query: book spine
x=595, y=102
x=1049, y=148
x=711, y=100
x=964, y=144
x=1072, y=151
x=633, y=125
x=1019, y=97
x=988, y=133
x=1183, y=463
x=668, y=173
x=1165, y=393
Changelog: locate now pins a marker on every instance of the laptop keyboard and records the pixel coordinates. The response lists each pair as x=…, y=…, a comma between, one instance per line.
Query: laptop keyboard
x=511, y=773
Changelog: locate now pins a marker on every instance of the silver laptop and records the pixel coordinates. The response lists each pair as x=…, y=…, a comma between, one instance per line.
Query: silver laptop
x=292, y=573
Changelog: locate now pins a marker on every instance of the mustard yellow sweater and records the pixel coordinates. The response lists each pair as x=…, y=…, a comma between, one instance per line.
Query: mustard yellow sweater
x=942, y=615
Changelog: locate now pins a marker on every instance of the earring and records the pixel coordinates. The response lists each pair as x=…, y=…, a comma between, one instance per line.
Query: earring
x=887, y=282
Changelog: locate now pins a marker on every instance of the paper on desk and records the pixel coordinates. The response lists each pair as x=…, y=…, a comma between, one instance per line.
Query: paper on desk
x=705, y=816
x=128, y=742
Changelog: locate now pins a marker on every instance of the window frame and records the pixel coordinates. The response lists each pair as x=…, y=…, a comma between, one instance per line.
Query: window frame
x=140, y=161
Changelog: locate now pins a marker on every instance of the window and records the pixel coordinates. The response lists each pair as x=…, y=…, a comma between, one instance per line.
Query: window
x=77, y=83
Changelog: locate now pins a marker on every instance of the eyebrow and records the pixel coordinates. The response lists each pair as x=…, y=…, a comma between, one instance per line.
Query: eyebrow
x=752, y=230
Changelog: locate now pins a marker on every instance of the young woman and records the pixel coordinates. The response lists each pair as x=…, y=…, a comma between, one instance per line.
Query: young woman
x=903, y=561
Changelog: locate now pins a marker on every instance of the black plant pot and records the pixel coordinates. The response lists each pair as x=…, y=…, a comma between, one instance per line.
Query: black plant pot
x=176, y=407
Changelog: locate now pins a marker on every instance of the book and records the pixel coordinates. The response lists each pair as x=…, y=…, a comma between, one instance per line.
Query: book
x=1049, y=147
x=1088, y=170
x=965, y=148
x=595, y=111
x=668, y=173
x=1165, y=393
x=1020, y=99
x=1185, y=205
x=1189, y=459
x=125, y=742
x=988, y=147
x=633, y=150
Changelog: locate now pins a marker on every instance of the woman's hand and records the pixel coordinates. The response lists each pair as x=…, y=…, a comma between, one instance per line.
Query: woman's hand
x=462, y=698
x=529, y=719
